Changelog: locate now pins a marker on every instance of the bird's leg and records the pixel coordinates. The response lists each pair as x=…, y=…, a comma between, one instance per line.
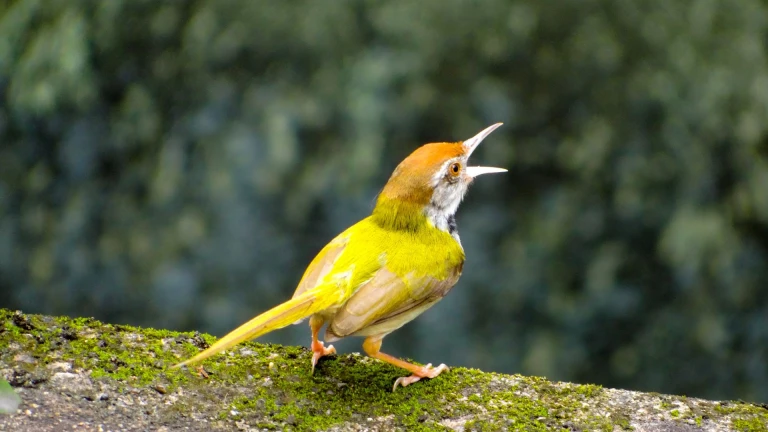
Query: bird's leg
x=372, y=347
x=318, y=348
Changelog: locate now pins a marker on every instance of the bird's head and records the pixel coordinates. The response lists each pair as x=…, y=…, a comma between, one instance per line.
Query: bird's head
x=433, y=180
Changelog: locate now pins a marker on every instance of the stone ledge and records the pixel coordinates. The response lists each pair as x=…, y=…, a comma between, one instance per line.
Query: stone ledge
x=81, y=374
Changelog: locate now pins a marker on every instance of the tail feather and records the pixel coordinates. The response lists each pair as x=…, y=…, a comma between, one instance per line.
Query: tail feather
x=296, y=309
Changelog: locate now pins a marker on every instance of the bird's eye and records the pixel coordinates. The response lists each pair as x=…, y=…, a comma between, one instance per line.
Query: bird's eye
x=455, y=168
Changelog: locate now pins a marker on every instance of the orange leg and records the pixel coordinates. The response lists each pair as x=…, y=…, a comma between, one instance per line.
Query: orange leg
x=318, y=348
x=372, y=347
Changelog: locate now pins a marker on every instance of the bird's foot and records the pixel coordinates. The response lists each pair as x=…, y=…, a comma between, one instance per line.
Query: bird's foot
x=319, y=350
x=424, y=372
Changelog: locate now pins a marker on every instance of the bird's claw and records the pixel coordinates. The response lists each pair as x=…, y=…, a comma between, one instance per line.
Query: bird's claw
x=320, y=350
x=425, y=372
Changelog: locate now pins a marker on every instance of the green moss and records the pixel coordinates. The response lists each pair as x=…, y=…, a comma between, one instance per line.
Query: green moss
x=588, y=390
x=757, y=423
x=127, y=354
x=323, y=400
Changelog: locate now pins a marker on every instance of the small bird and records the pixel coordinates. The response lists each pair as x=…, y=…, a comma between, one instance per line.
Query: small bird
x=387, y=269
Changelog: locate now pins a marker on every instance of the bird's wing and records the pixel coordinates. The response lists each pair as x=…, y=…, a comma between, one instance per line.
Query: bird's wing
x=323, y=263
x=387, y=302
x=348, y=261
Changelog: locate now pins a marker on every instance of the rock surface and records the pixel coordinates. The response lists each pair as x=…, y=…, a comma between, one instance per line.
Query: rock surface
x=80, y=374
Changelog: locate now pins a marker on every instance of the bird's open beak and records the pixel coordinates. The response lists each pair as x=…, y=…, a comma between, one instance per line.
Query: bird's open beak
x=471, y=144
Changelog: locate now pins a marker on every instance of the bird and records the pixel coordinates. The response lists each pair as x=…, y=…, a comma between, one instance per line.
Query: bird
x=386, y=269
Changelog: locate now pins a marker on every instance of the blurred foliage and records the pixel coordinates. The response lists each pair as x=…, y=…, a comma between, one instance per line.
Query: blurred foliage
x=177, y=164
x=9, y=400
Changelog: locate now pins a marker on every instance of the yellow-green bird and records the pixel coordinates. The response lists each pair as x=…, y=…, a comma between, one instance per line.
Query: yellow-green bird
x=388, y=268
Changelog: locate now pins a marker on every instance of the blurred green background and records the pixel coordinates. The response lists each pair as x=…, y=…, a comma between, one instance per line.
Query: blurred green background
x=178, y=164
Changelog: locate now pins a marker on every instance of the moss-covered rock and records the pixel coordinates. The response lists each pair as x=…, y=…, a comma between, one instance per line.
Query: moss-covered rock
x=81, y=372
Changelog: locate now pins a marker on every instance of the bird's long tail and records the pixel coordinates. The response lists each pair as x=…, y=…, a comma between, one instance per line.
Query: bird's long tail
x=310, y=302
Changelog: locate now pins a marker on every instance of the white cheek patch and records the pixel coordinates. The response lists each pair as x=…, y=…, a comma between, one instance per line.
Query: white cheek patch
x=446, y=197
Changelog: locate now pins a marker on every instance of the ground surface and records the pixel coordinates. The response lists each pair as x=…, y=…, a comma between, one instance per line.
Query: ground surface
x=80, y=374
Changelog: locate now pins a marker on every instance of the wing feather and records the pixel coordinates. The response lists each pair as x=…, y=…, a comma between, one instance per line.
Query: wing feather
x=322, y=264
x=386, y=303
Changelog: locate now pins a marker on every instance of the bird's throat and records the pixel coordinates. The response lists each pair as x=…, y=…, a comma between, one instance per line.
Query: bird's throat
x=443, y=219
